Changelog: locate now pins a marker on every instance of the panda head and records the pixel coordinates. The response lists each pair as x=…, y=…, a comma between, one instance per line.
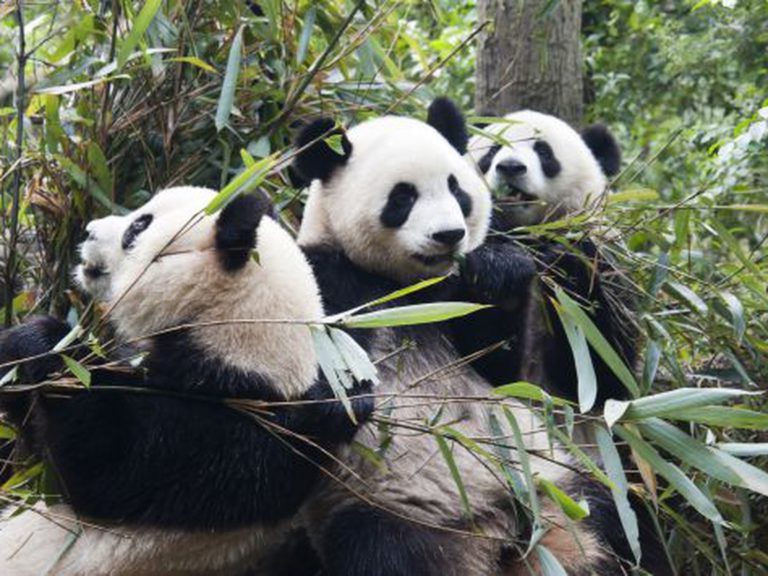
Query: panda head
x=395, y=193
x=167, y=264
x=540, y=168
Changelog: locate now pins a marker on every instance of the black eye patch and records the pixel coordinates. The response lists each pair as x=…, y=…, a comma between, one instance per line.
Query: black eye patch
x=137, y=227
x=465, y=202
x=484, y=164
x=399, y=204
x=550, y=165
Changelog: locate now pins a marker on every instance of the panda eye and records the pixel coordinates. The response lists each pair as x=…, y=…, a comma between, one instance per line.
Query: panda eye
x=484, y=164
x=550, y=165
x=464, y=200
x=403, y=194
x=401, y=199
x=137, y=227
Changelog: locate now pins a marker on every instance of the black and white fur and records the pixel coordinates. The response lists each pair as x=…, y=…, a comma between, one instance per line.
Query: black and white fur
x=177, y=482
x=541, y=169
x=397, y=206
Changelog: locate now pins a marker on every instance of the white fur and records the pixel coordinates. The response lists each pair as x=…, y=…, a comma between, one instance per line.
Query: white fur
x=53, y=541
x=580, y=185
x=385, y=151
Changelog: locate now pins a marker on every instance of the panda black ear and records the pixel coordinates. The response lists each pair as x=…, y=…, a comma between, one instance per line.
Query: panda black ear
x=445, y=117
x=318, y=159
x=604, y=146
x=236, y=229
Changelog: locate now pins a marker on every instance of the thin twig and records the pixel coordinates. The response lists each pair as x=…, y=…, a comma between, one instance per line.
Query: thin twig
x=10, y=260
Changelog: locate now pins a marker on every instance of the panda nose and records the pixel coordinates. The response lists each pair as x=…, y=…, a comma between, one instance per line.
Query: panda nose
x=449, y=237
x=510, y=168
x=90, y=234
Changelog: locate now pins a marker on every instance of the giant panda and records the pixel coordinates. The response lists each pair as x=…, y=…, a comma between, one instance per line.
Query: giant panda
x=541, y=169
x=174, y=480
x=391, y=203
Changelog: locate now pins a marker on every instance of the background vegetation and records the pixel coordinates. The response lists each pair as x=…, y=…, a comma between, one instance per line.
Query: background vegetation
x=122, y=98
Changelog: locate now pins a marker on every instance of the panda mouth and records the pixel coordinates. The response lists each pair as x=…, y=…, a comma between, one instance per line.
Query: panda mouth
x=511, y=194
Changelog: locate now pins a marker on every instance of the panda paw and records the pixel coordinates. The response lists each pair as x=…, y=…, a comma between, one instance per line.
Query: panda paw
x=498, y=273
x=33, y=338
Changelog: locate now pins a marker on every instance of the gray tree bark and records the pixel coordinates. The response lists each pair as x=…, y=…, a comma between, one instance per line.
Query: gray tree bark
x=530, y=58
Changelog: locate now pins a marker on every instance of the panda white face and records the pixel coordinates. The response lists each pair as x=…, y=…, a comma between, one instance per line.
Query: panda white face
x=403, y=204
x=543, y=168
x=167, y=264
x=118, y=248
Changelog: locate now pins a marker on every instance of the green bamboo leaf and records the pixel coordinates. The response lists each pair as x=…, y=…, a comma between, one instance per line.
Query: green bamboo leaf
x=67, y=88
x=598, y=341
x=736, y=311
x=620, y=490
x=525, y=464
x=333, y=367
x=451, y=463
x=644, y=194
x=568, y=505
x=513, y=477
x=550, y=565
x=673, y=475
x=247, y=180
x=529, y=392
x=99, y=166
x=711, y=461
x=724, y=416
x=194, y=61
x=140, y=25
x=412, y=315
x=78, y=370
x=227, y=96
x=306, y=34
x=6, y=432
x=22, y=477
x=743, y=449
x=355, y=358
x=585, y=371
x=686, y=296
x=669, y=403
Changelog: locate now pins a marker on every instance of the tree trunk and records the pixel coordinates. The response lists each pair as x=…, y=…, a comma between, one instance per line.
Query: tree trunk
x=530, y=58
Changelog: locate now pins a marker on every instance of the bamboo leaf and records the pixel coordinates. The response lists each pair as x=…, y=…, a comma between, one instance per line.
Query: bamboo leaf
x=679, y=399
x=140, y=25
x=247, y=180
x=411, y=315
x=529, y=392
x=451, y=463
x=333, y=367
x=673, y=474
x=619, y=490
x=228, y=86
x=585, y=371
x=354, y=357
x=598, y=342
x=724, y=416
x=711, y=461
x=687, y=297
x=744, y=450
x=78, y=370
x=568, y=505
x=306, y=34
x=550, y=565
x=525, y=464
x=194, y=61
